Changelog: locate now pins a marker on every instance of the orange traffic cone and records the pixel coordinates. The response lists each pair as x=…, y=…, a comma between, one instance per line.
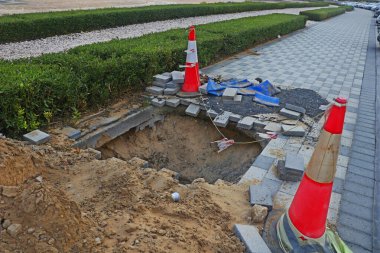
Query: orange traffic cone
x=302, y=228
x=192, y=80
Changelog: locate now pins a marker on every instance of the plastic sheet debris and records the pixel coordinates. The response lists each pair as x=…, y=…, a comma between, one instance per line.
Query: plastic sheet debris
x=224, y=144
x=266, y=100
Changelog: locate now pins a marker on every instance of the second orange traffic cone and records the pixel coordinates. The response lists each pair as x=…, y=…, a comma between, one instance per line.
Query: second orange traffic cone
x=302, y=228
x=192, y=80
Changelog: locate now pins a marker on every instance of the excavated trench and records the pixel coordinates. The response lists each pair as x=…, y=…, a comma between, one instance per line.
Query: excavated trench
x=183, y=144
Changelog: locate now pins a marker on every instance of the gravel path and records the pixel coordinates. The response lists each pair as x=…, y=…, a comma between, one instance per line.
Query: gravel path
x=62, y=43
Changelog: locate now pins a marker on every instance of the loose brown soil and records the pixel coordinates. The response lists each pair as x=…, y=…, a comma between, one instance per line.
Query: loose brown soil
x=87, y=205
x=183, y=144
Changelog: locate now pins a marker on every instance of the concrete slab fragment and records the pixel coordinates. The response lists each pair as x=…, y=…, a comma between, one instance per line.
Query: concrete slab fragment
x=246, y=123
x=155, y=90
x=212, y=113
x=273, y=127
x=294, y=163
x=173, y=102
x=171, y=91
x=36, y=137
x=222, y=119
x=72, y=133
x=235, y=117
x=171, y=84
x=159, y=84
x=158, y=102
x=260, y=195
x=162, y=78
x=193, y=110
x=297, y=131
x=238, y=98
x=290, y=114
x=295, y=108
x=229, y=93
x=251, y=238
x=178, y=76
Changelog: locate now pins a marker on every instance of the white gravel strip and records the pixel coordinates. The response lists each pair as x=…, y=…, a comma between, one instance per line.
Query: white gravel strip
x=61, y=43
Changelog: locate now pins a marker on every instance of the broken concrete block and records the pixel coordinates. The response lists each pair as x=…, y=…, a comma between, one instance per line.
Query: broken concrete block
x=273, y=127
x=222, y=119
x=297, y=131
x=295, y=108
x=155, y=90
x=170, y=91
x=259, y=213
x=193, y=110
x=260, y=195
x=159, y=84
x=246, y=123
x=235, y=117
x=162, y=78
x=290, y=114
x=158, y=102
x=212, y=113
x=72, y=133
x=173, y=102
x=36, y=137
x=178, y=76
x=203, y=89
x=14, y=229
x=229, y=93
x=238, y=98
x=171, y=84
x=251, y=238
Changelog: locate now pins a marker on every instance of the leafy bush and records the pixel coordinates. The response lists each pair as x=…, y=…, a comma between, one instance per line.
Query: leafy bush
x=40, y=25
x=324, y=13
x=61, y=84
x=348, y=8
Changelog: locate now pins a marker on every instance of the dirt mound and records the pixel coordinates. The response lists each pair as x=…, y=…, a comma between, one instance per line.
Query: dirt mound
x=17, y=163
x=49, y=222
x=184, y=145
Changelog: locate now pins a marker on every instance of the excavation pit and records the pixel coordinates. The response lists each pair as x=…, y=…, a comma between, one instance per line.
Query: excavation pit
x=183, y=144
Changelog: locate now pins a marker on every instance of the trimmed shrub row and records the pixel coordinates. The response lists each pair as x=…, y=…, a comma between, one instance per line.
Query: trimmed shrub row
x=40, y=25
x=348, y=8
x=61, y=84
x=324, y=13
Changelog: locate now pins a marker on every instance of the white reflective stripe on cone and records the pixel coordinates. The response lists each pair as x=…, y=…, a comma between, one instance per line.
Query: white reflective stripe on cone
x=192, y=54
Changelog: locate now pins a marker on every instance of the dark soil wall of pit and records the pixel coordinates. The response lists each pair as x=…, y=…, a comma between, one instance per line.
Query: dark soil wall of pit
x=182, y=144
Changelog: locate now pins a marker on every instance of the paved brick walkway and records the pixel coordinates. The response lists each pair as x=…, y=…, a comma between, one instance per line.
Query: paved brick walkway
x=331, y=58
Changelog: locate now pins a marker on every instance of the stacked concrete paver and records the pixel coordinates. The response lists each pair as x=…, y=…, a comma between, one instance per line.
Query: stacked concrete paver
x=330, y=58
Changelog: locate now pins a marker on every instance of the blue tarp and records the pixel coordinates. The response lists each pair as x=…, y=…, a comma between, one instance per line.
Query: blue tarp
x=264, y=90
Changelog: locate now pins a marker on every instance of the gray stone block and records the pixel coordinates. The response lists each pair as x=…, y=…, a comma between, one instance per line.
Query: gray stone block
x=72, y=133
x=178, y=77
x=297, y=131
x=229, y=93
x=173, y=102
x=193, y=110
x=222, y=119
x=155, y=90
x=168, y=74
x=171, y=91
x=235, y=117
x=246, y=123
x=251, y=238
x=238, y=98
x=263, y=162
x=295, y=108
x=158, y=102
x=37, y=137
x=203, y=89
x=260, y=195
x=159, y=84
x=290, y=114
x=171, y=84
x=212, y=113
x=162, y=78
x=294, y=163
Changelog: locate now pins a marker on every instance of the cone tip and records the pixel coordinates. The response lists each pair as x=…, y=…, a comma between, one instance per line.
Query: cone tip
x=341, y=100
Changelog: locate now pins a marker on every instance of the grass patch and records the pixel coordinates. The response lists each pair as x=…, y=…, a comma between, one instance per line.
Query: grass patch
x=22, y=27
x=35, y=90
x=324, y=13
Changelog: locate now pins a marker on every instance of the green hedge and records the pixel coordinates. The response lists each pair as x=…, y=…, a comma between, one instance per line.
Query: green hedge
x=40, y=25
x=324, y=13
x=61, y=84
x=348, y=8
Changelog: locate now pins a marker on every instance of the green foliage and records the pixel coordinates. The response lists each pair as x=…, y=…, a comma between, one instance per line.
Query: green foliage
x=40, y=25
x=64, y=84
x=324, y=13
x=348, y=8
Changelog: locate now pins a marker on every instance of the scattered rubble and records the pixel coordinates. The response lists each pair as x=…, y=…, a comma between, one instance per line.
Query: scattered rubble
x=259, y=213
